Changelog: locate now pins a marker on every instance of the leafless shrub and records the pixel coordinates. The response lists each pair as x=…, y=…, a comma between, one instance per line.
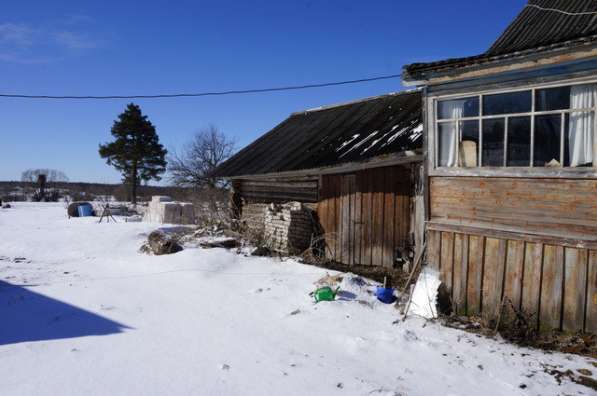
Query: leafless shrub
x=318, y=251
x=255, y=235
x=211, y=207
x=517, y=324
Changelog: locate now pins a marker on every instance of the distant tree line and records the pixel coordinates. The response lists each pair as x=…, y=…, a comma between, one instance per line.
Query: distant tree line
x=77, y=191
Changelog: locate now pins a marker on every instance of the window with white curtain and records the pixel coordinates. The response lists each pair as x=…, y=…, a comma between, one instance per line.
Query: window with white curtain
x=543, y=127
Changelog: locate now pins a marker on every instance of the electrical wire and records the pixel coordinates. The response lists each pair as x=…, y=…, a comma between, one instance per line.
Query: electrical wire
x=562, y=11
x=200, y=94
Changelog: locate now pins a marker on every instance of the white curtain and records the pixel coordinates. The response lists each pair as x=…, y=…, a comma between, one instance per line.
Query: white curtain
x=451, y=134
x=582, y=124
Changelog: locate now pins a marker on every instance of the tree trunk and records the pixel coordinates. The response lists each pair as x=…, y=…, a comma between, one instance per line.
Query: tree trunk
x=134, y=184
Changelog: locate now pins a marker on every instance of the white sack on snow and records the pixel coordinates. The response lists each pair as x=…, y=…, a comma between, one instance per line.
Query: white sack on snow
x=425, y=294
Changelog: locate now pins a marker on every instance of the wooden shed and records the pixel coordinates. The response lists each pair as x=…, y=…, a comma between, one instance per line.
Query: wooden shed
x=512, y=150
x=357, y=165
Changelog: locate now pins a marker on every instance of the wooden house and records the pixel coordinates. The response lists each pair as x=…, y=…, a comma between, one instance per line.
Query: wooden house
x=355, y=164
x=511, y=151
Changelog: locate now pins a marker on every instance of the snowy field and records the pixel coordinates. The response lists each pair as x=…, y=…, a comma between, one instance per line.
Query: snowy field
x=83, y=313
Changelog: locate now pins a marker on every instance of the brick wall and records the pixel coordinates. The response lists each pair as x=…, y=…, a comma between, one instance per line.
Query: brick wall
x=286, y=228
x=253, y=216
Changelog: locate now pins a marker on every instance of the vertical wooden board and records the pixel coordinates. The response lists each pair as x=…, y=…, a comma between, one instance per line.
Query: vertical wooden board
x=591, y=303
x=331, y=219
x=493, y=272
x=514, y=269
x=366, y=216
x=378, y=217
x=371, y=230
x=460, y=272
x=551, y=287
x=575, y=278
x=399, y=218
x=352, y=247
x=331, y=209
x=447, y=259
x=322, y=214
x=338, y=217
x=475, y=272
x=433, y=248
x=353, y=191
x=389, y=217
x=358, y=218
x=398, y=210
x=531, y=284
x=346, y=220
x=403, y=193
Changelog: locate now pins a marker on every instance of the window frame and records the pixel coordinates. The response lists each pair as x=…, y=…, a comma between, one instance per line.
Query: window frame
x=531, y=169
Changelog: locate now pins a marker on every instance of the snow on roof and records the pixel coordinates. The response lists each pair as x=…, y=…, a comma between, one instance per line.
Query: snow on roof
x=331, y=135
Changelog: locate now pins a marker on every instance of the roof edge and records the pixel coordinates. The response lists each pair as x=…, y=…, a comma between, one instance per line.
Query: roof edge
x=401, y=157
x=419, y=73
x=351, y=102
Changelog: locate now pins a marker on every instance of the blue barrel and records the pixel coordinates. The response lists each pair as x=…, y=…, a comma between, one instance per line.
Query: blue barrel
x=85, y=210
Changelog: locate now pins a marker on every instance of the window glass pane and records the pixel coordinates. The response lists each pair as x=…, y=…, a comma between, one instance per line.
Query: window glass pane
x=493, y=142
x=519, y=141
x=458, y=108
x=547, y=140
x=552, y=99
x=511, y=102
x=469, y=147
x=447, y=136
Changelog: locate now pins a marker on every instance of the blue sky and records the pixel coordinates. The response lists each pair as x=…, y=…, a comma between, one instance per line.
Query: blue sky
x=116, y=47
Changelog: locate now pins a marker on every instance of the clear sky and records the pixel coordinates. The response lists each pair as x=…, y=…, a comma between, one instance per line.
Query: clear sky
x=125, y=47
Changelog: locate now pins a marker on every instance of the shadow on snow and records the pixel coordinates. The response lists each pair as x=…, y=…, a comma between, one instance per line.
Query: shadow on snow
x=29, y=316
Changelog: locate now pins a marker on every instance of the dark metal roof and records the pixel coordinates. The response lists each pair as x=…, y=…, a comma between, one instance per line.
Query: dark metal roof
x=334, y=135
x=538, y=27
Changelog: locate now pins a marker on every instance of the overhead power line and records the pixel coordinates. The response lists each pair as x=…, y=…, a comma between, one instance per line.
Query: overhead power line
x=199, y=94
x=562, y=11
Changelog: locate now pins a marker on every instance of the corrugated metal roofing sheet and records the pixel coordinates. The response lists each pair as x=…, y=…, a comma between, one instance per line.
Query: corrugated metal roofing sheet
x=537, y=27
x=334, y=135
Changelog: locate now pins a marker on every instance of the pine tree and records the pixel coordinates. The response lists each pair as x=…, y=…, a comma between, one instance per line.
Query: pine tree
x=136, y=151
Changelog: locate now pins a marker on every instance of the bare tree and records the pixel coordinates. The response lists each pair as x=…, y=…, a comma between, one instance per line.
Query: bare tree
x=44, y=178
x=52, y=175
x=194, y=166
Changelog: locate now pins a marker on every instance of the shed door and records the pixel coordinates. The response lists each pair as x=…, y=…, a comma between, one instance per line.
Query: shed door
x=365, y=216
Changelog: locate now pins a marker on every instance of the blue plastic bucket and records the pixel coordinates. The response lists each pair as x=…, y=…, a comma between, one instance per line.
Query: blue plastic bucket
x=385, y=295
x=85, y=210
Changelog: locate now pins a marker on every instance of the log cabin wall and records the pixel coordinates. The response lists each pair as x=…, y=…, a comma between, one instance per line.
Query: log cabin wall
x=529, y=241
x=366, y=215
x=278, y=190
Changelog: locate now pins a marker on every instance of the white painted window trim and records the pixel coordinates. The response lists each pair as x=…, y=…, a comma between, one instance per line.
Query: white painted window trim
x=505, y=171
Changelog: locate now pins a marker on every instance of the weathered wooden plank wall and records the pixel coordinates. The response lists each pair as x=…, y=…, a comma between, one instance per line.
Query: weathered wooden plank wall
x=531, y=241
x=268, y=191
x=565, y=206
x=366, y=215
x=555, y=284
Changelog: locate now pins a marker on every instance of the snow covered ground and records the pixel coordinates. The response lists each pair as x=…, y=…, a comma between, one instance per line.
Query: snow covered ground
x=83, y=313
